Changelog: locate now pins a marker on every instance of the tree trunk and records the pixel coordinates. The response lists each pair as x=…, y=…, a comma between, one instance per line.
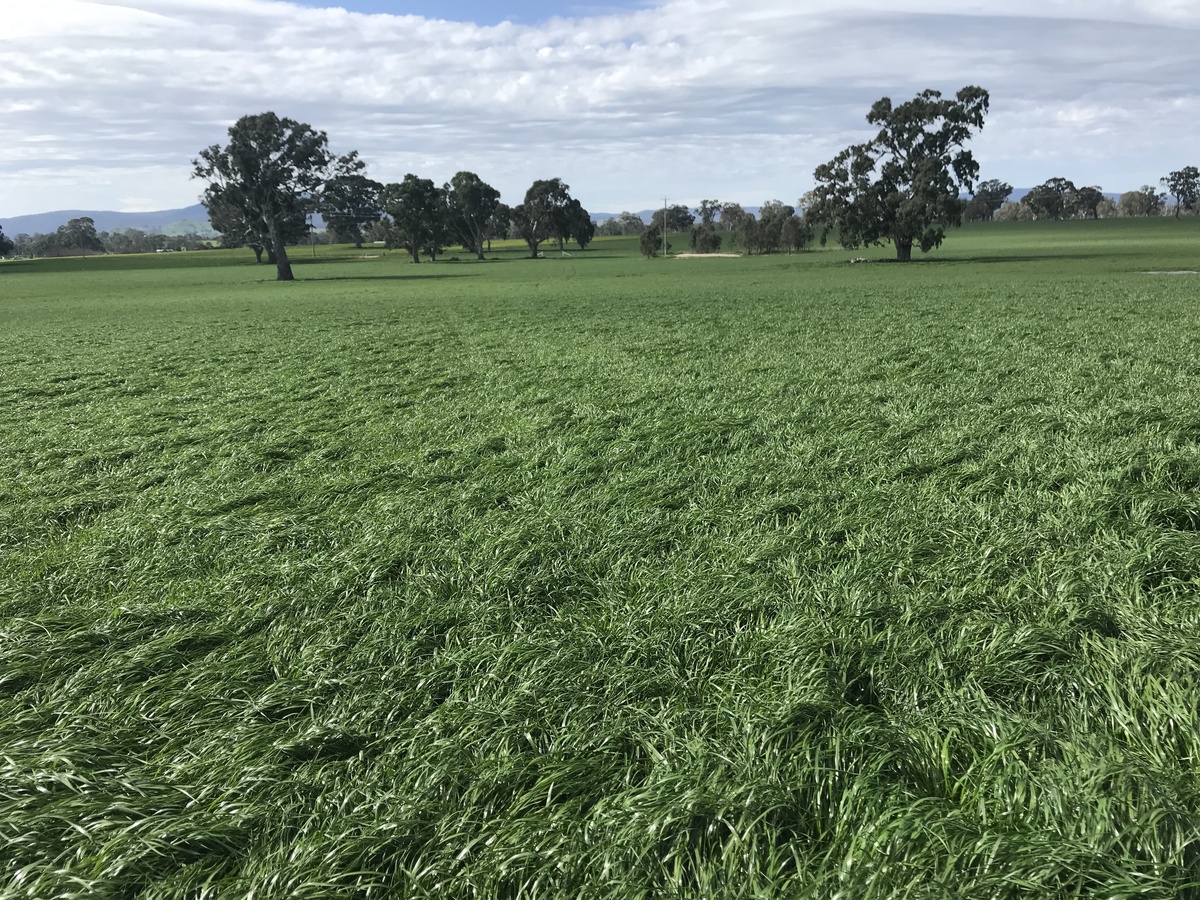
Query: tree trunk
x=533, y=248
x=414, y=252
x=272, y=259
x=358, y=243
x=903, y=250
x=479, y=248
x=283, y=268
x=258, y=252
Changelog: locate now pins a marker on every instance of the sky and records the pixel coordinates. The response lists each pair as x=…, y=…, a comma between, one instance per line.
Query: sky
x=486, y=12
x=104, y=103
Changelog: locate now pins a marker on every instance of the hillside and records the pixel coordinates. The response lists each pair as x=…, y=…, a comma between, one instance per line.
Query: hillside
x=167, y=221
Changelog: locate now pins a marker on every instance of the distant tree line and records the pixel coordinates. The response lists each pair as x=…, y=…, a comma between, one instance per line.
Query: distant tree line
x=1058, y=199
x=626, y=224
x=79, y=237
x=275, y=173
x=777, y=228
x=418, y=216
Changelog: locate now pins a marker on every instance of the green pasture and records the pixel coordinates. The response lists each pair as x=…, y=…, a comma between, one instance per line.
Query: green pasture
x=604, y=577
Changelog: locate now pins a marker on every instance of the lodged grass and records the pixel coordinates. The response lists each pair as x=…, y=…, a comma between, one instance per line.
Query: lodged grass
x=600, y=577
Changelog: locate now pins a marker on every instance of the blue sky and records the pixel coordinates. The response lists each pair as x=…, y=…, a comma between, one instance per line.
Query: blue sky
x=482, y=12
x=103, y=103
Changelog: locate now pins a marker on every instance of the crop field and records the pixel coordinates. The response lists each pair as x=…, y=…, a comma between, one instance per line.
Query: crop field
x=603, y=577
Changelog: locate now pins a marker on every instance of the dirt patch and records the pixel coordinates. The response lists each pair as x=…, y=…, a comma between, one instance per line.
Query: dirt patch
x=1174, y=272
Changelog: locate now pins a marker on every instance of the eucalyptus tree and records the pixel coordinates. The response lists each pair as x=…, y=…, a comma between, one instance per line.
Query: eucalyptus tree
x=733, y=216
x=1146, y=201
x=498, y=224
x=797, y=233
x=674, y=218
x=622, y=225
x=772, y=217
x=631, y=223
x=239, y=227
x=1088, y=202
x=1055, y=198
x=6, y=245
x=349, y=201
x=270, y=174
x=989, y=196
x=736, y=221
x=903, y=185
x=653, y=241
x=416, y=212
x=709, y=211
x=1184, y=186
x=1011, y=211
x=705, y=238
x=79, y=236
x=580, y=227
x=471, y=204
x=993, y=192
x=704, y=235
x=545, y=213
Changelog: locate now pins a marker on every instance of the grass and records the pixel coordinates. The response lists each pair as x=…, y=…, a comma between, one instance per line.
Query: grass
x=604, y=577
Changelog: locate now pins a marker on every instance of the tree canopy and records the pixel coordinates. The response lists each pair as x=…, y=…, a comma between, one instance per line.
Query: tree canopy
x=415, y=208
x=1184, y=186
x=625, y=223
x=471, y=204
x=546, y=213
x=653, y=241
x=1055, y=198
x=776, y=228
x=239, y=227
x=270, y=173
x=677, y=218
x=989, y=196
x=6, y=245
x=580, y=226
x=705, y=238
x=79, y=237
x=709, y=211
x=1146, y=201
x=904, y=184
x=350, y=201
x=1088, y=201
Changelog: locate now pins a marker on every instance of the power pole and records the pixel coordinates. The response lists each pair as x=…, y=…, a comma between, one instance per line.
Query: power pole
x=664, y=227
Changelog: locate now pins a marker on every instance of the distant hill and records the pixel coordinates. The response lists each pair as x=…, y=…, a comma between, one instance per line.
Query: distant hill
x=189, y=219
x=648, y=214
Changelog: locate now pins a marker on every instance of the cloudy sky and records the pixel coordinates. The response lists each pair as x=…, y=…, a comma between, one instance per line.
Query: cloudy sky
x=103, y=103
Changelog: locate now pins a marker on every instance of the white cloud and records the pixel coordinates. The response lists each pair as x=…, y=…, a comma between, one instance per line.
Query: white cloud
x=694, y=98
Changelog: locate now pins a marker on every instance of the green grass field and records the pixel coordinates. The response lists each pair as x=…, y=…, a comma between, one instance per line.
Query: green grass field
x=599, y=577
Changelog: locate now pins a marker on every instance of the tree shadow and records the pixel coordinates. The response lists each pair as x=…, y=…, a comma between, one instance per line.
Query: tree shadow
x=1019, y=258
x=414, y=276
